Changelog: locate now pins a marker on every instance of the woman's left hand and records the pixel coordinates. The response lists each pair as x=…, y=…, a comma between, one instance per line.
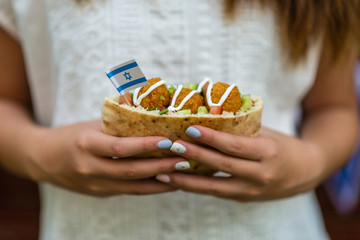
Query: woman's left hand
x=270, y=166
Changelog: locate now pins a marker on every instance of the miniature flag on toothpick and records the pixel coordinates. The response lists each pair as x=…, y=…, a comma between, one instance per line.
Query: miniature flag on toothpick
x=127, y=76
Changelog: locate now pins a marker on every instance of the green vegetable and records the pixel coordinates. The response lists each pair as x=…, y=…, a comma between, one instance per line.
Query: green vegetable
x=202, y=110
x=153, y=109
x=171, y=89
x=163, y=111
x=192, y=86
x=246, y=102
x=245, y=97
x=184, y=112
x=161, y=97
x=131, y=95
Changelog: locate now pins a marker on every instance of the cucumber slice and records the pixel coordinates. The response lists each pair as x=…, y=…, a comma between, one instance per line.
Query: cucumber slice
x=246, y=102
x=246, y=106
x=202, y=110
x=184, y=112
x=171, y=89
x=192, y=86
x=245, y=98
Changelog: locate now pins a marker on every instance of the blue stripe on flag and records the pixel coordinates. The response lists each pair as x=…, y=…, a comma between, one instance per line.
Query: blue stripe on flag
x=130, y=84
x=121, y=69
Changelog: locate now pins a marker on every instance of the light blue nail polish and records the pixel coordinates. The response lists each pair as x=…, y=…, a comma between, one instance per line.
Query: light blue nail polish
x=164, y=144
x=193, y=132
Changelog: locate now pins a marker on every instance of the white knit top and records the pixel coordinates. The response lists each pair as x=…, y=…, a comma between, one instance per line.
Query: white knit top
x=68, y=48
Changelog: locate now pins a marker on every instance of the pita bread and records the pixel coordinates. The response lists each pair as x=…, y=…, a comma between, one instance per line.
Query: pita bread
x=122, y=120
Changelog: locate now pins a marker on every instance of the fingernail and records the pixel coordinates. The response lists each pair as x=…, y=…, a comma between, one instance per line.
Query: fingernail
x=164, y=144
x=178, y=148
x=163, y=178
x=193, y=132
x=182, y=165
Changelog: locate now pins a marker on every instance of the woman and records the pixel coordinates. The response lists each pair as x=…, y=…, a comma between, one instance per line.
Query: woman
x=287, y=52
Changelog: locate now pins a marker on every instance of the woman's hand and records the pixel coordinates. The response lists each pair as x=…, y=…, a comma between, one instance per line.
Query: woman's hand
x=80, y=158
x=270, y=166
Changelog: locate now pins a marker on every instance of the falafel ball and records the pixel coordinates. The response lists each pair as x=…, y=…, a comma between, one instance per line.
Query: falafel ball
x=158, y=98
x=232, y=102
x=193, y=103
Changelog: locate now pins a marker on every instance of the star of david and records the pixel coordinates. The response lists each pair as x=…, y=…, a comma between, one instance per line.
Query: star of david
x=127, y=76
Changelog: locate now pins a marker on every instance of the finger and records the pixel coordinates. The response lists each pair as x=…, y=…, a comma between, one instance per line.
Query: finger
x=239, y=146
x=130, y=168
x=95, y=124
x=216, y=186
x=218, y=160
x=104, y=145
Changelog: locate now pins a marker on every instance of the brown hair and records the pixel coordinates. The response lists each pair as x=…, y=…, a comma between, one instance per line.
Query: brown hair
x=302, y=21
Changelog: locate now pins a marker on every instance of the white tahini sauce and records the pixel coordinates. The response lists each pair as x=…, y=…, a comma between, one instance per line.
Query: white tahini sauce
x=176, y=94
x=198, y=90
x=137, y=100
x=223, y=97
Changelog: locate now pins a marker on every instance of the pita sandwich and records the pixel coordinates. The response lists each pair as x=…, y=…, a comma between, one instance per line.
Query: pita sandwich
x=122, y=120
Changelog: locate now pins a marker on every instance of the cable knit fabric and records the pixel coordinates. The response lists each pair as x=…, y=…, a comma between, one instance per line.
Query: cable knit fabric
x=69, y=46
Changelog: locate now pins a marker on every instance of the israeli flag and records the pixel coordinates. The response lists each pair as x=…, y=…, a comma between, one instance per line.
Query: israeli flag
x=127, y=76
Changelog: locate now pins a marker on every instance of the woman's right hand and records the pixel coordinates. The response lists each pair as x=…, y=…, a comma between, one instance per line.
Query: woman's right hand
x=79, y=157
